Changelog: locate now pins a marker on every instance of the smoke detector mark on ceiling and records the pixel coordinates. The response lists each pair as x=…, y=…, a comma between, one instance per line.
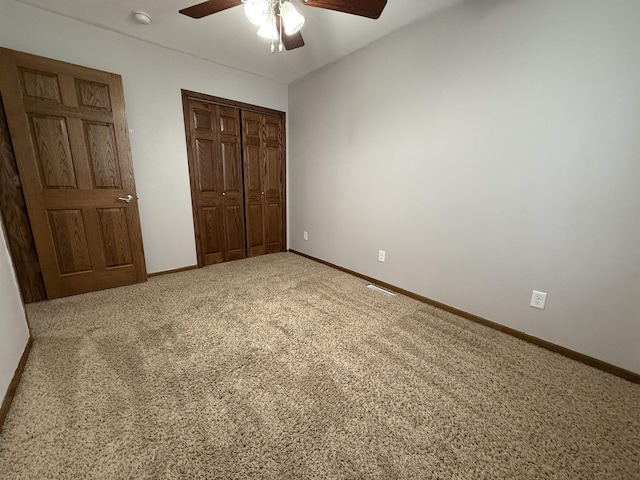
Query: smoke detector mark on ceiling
x=142, y=18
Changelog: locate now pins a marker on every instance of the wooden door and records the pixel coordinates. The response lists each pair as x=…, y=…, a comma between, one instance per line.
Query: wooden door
x=264, y=182
x=273, y=184
x=253, y=182
x=215, y=167
x=16, y=221
x=71, y=143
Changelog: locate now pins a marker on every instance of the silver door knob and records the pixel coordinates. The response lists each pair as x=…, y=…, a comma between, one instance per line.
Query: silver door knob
x=224, y=193
x=127, y=199
x=262, y=193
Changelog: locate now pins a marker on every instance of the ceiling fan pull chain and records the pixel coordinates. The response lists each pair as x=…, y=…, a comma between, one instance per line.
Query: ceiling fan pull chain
x=280, y=22
x=273, y=20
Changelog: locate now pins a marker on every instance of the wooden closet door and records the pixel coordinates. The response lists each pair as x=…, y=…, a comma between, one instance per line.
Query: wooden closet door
x=253, y=182
x=273, y=184
x=263, y=182
x=70, y=138
x=215, y=167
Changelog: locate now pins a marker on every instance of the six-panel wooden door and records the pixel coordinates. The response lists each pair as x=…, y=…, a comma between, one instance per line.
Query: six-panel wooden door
x=71, y=144
x=215, y=167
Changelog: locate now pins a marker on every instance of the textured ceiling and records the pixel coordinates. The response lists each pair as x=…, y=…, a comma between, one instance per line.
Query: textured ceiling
x=228, y=38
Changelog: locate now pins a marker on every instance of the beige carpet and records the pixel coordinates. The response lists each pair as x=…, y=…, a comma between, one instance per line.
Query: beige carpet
x=279, y=367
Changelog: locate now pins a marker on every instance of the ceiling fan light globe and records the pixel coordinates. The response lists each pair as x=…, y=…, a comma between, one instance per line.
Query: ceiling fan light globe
x=292, y=19
x=269, y=31
x=256, y=11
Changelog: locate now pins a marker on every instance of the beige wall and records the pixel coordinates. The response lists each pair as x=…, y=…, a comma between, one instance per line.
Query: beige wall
x=491, y=149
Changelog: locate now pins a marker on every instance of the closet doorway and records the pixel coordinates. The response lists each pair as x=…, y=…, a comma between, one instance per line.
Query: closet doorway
x=236, y=154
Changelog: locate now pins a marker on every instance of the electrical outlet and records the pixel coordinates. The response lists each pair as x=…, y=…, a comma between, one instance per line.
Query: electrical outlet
x=381, y=256
x=538, y=299
x=305, y=235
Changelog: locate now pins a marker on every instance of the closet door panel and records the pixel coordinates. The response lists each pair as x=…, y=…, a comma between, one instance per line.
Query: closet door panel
x=254, y=182
x=255, y=229
x=274, y=227
x=234, y=230
x=206, y=182
x=228, y=121
x=273, y=184
x=215, y=166
x=211, y=228
x=207, y=171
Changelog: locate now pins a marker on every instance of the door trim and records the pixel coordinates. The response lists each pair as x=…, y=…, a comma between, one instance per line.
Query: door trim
x=203, y=97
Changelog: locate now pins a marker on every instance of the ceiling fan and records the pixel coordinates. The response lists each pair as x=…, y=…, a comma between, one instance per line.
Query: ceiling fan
x=279, y=20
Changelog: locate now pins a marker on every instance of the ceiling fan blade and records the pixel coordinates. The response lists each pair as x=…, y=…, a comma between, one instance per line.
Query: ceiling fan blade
x=208, y=8
x=292, y=41
x=363, y=8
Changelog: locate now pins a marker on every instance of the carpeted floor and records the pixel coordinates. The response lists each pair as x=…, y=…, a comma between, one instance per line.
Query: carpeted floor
x=279, y=367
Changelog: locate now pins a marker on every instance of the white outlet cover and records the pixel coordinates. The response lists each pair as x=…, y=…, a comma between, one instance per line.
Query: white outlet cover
x=538, y=299
x=381, y=255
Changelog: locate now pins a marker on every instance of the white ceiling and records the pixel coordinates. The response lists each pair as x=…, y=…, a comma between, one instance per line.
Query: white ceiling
x=228, y=38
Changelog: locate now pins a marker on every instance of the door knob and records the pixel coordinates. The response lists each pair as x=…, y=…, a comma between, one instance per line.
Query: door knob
x=262, y=193
x=224, y=193
x=127, y=199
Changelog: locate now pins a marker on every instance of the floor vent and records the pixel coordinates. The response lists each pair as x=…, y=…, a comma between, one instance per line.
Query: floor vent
x=381, y=290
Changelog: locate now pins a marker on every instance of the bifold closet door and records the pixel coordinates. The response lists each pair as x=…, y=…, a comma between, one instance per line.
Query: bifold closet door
x=215, y=165
x=263, y=182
